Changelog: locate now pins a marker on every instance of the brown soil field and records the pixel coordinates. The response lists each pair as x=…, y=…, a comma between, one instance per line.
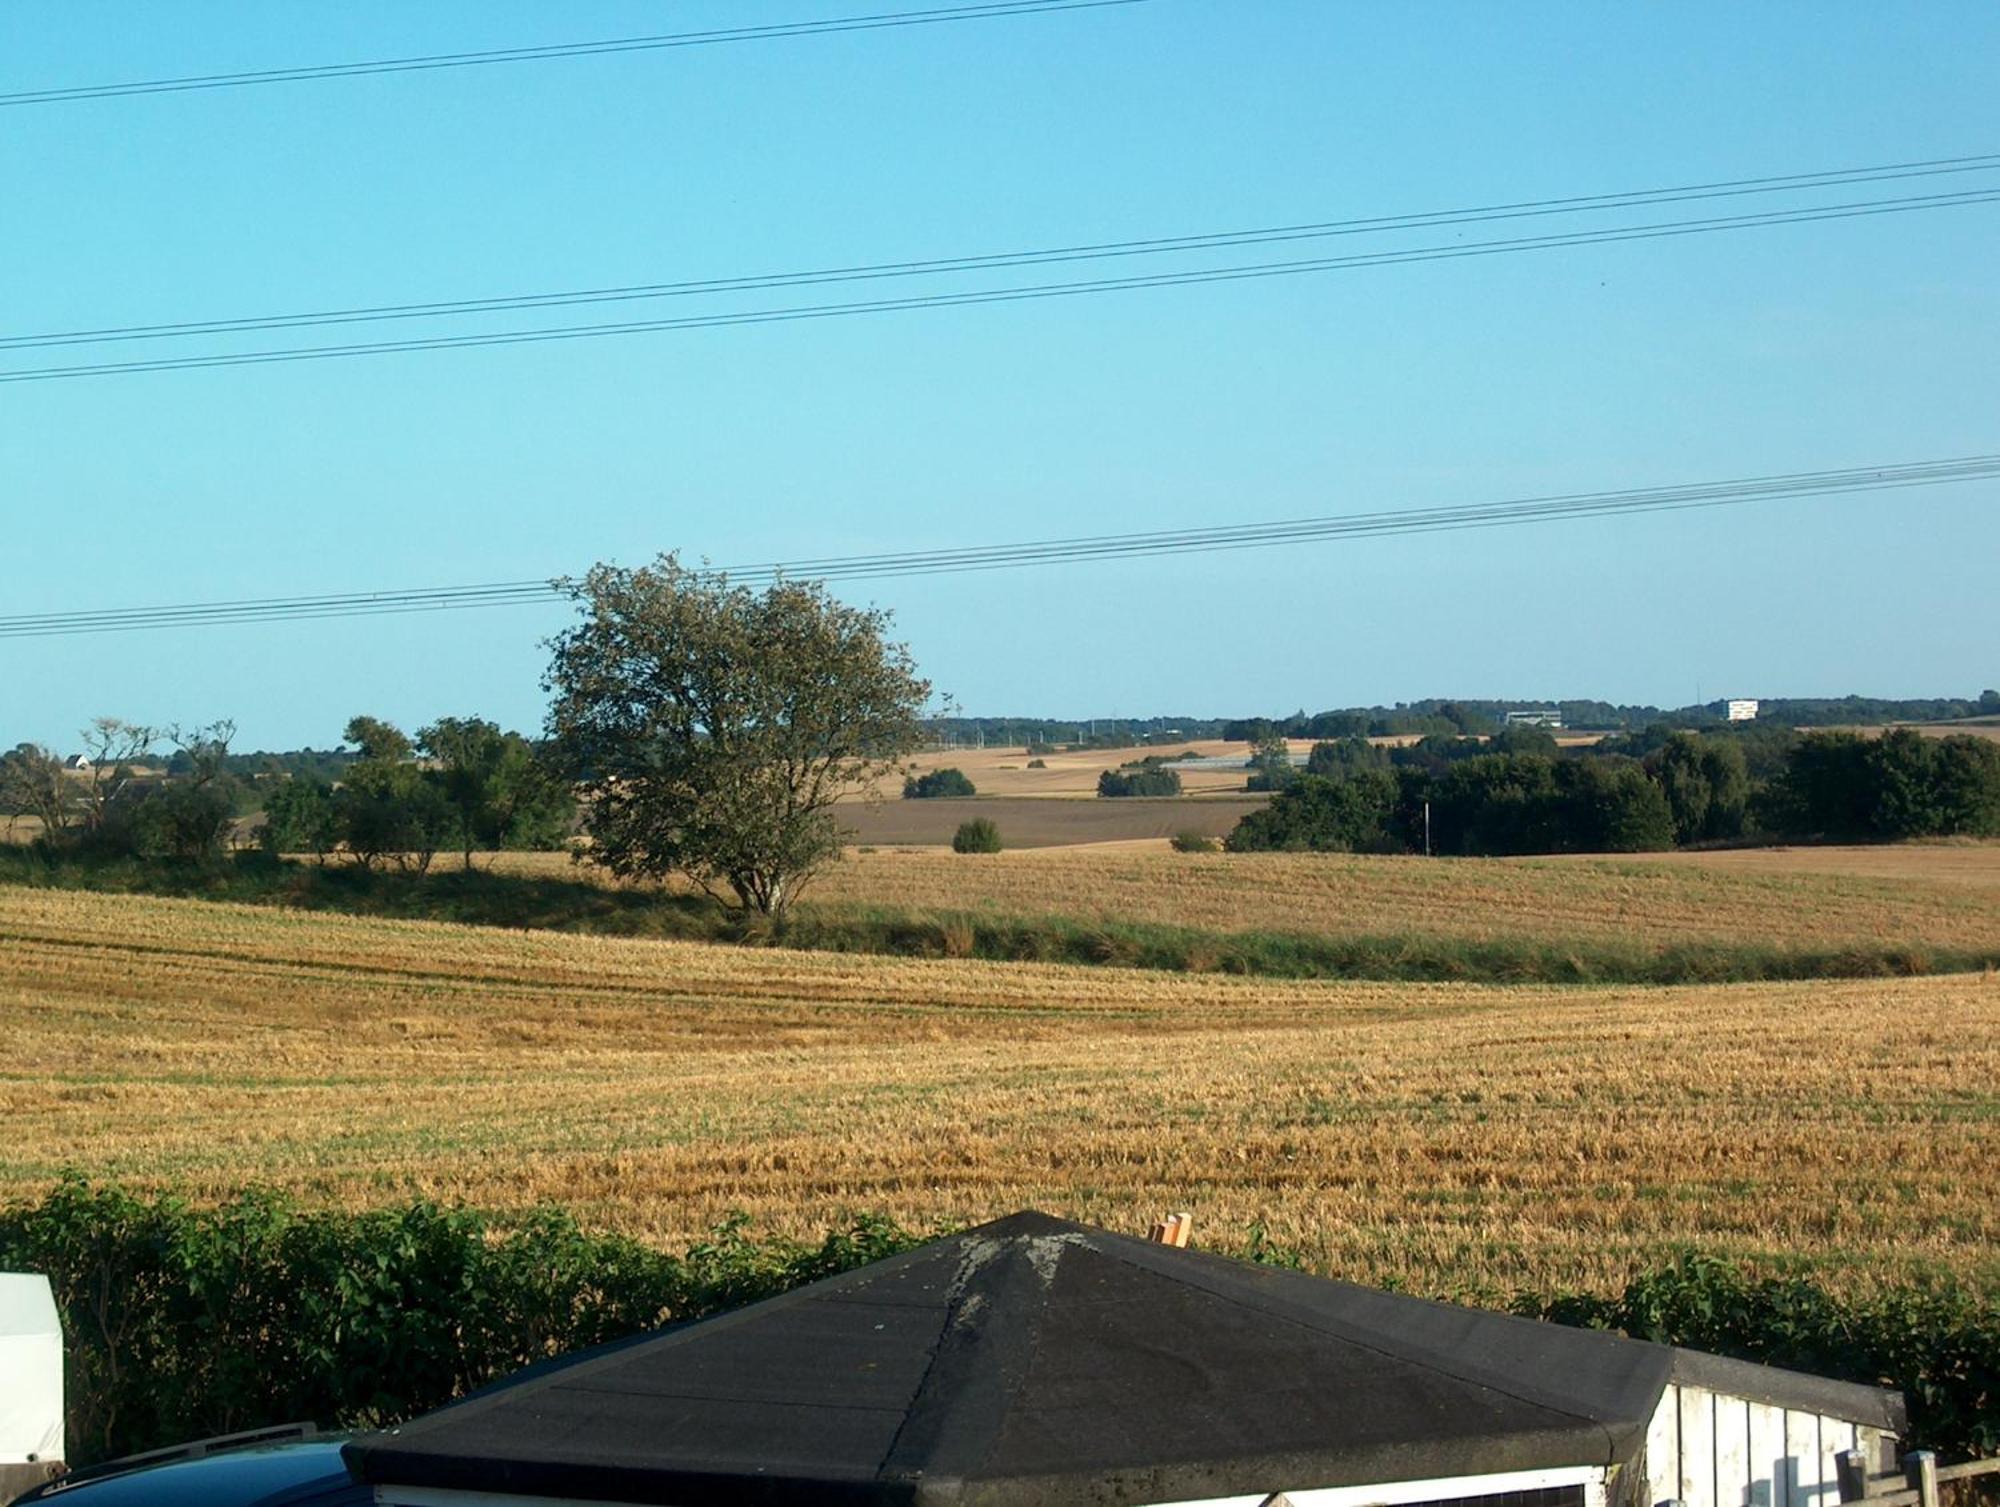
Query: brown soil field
x=1040, y=822
x=1451, y=1137
x=1925, y=893
x=1005, y=771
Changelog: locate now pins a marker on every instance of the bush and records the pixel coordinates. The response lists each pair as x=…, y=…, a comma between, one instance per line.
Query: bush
x=1323, y=815
x=1194, y=842
x=1038, y=763
x=1155, y=781
x=939, y=784
x=182, y=1322
x=300, y=817
x=1338, y=758
x=1938, y=1344
x=976, y=836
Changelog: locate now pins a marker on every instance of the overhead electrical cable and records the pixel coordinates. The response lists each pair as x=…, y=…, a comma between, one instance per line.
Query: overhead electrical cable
x=1155, y=246
x=915, y=563
x=1033, y=291
x=779, y=31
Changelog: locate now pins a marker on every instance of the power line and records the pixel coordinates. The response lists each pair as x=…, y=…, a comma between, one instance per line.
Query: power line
x=1252, y=271
x=882, y=21
x=914, y=563
x=1207, y=241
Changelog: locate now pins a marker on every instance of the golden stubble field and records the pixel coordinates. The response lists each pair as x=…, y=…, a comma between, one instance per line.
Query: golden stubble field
x=1452, y=1137
x=1945, y=895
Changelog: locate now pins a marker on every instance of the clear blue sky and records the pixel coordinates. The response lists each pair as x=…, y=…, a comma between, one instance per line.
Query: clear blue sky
x=1777, y=350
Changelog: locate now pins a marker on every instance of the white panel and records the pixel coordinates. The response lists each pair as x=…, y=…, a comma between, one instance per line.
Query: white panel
x=1767, y=1456
x=31, y=1398
x=1835, y=1435
x=1808, y=1486
x=1393, y=1493
x=1663, y=1452
x=1697, y=1447
x=1732, y=1451
x=1880, y=1449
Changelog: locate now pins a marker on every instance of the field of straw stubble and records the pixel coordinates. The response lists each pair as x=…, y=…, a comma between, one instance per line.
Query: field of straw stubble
x=1938, y=895
x=1451, y=1137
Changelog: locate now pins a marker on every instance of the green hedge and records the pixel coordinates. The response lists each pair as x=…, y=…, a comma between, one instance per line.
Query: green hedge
x=183, y=1322
x=1938, y=1343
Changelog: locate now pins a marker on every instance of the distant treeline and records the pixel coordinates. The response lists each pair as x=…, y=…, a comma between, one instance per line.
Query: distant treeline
x=460, y=785
x=1473, y=718
x=1451, y=717
x=1519, y=793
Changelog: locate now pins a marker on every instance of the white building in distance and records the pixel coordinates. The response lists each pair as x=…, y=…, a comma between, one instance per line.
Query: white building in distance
x=1740, y=711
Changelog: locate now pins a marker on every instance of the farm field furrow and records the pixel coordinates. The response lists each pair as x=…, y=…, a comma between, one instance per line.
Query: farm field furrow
x=1452, y=1137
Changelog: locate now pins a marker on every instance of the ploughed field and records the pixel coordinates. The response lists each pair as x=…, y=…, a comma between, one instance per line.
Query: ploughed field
x=1453, y=1137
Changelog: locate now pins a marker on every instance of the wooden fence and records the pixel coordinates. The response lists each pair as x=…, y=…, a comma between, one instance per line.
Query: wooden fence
x=1917, y=1486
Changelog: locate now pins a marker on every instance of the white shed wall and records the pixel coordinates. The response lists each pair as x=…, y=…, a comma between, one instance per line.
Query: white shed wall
x=1709, y=1449
x=31, y=1371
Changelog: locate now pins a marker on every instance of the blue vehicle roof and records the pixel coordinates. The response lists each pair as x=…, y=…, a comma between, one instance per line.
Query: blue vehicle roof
x=288, y=1473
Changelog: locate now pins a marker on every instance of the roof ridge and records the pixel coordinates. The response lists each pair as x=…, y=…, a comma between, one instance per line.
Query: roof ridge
x=1216, y=1279
x=970, y=1359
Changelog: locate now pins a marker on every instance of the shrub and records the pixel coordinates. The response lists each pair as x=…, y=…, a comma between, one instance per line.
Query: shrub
x=1139, y=782
x=1938, y=1344
x=1038, y=763
x=181, y=1322
x=300, y=817
x=1338, y=758
x=1194, y=842
x=976, y=836
x=1323, y=815
x=939, y=784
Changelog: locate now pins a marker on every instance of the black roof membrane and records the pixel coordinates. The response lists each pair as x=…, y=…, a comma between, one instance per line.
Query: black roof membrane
x=1034, y=1360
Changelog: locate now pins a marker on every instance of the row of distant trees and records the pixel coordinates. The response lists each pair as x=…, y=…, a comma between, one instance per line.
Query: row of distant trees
x=1450, y=718
x=460, y=785
x=115, y=799
x=1519, y=793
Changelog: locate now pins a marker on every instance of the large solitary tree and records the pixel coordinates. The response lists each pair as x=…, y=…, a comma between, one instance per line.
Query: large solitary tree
x=711, y=727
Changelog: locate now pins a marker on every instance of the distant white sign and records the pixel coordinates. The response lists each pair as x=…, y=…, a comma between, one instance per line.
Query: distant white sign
x=1741, y=711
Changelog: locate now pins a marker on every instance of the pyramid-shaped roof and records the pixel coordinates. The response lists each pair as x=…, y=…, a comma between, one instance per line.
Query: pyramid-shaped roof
x=1034, y=1360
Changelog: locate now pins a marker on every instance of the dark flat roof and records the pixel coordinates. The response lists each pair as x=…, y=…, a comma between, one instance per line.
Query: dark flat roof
x=1033, y=1360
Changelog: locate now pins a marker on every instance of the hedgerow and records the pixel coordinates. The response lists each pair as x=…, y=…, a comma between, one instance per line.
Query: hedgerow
x=184, y=1321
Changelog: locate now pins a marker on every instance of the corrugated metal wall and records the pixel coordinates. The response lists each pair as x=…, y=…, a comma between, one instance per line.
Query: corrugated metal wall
x=1709, y=1449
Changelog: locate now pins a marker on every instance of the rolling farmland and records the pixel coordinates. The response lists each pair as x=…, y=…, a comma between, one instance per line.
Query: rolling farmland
x=1448, y=1136
x=1935, y=894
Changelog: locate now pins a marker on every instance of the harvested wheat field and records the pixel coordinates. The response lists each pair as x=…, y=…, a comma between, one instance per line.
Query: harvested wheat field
x=1946, y=861
x=1919, y=896
x=1452, y=1137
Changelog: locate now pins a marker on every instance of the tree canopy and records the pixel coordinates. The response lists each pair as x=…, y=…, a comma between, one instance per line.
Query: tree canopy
x=711, y=727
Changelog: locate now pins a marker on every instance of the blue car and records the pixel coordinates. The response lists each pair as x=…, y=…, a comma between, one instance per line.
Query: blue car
x=293, y=1466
